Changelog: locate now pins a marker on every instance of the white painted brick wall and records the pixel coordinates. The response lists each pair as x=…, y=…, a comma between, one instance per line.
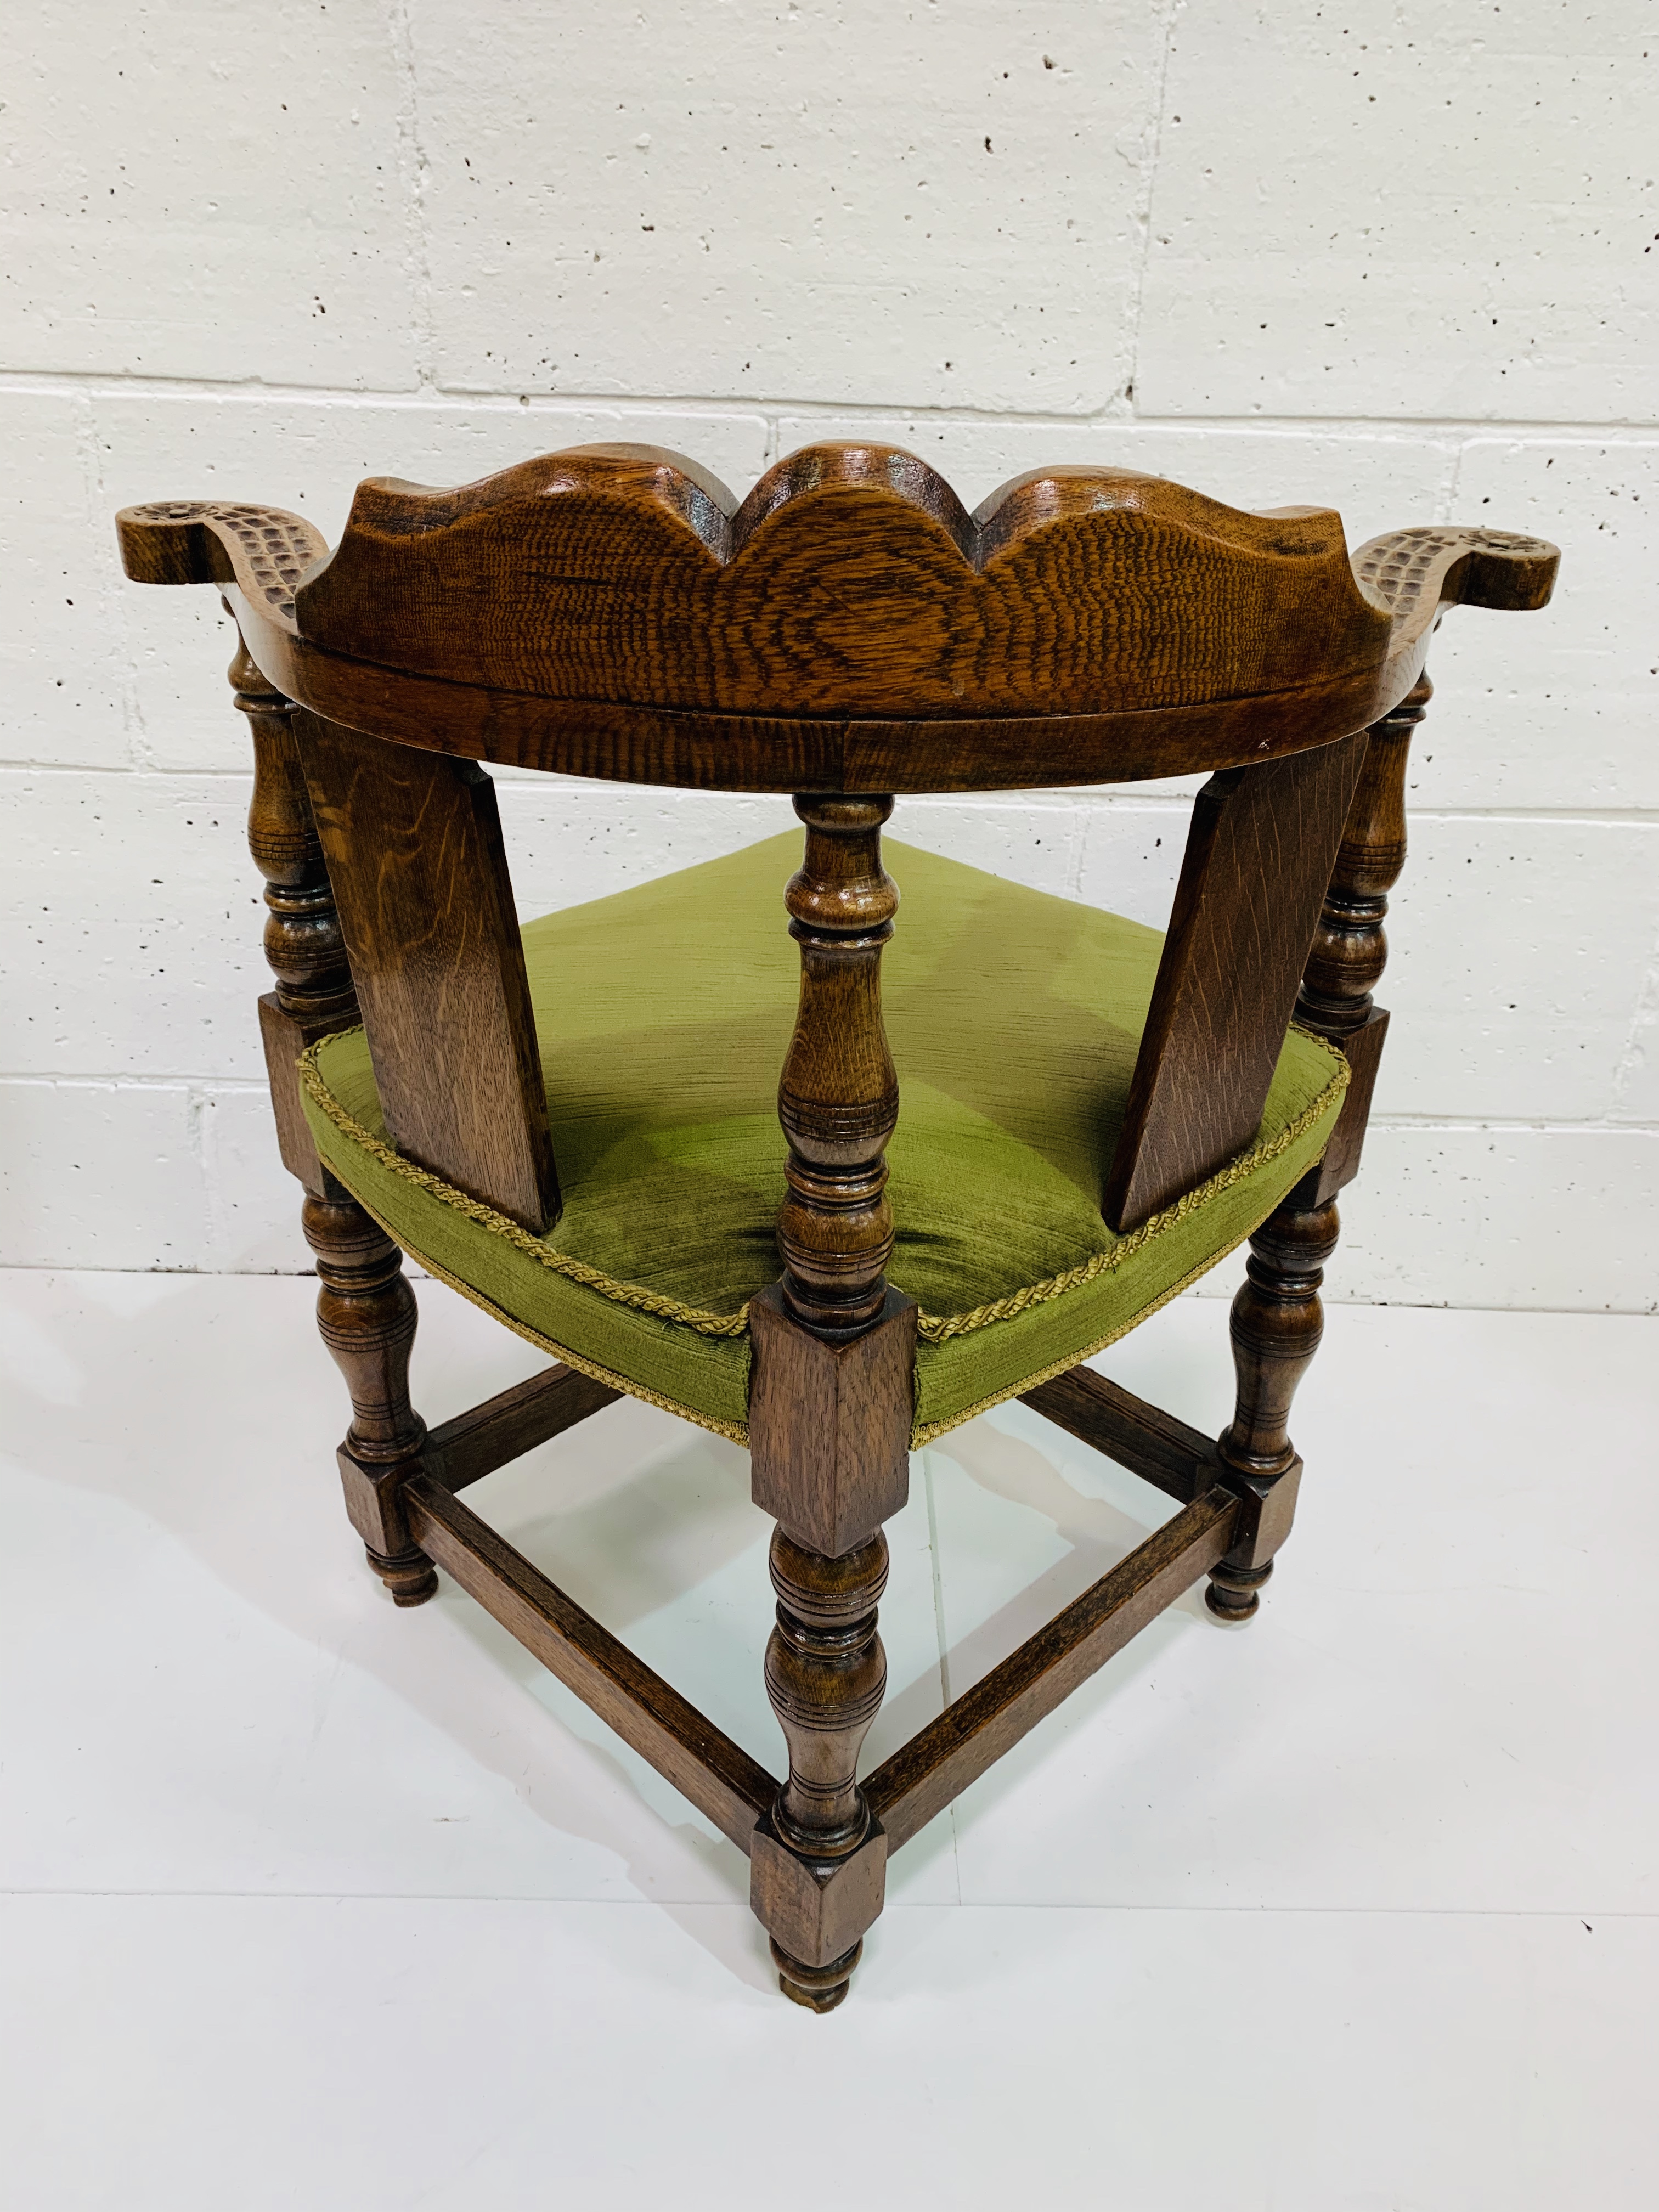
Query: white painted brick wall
x=1397, y=259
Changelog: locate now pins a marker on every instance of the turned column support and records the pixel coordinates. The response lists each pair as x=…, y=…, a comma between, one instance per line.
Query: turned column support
x=831, y=1407
x=1276, y=1324
x=838, y=1097
x=366, y=1315
x=303, y=946
x=366, y=1312
x=1351, y=945
x=1277, y=1319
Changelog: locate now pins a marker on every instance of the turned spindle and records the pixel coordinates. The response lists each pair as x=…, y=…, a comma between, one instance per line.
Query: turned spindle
x=1276, y=1319
x=366, y=1315
x=366, y=1311
x=302, y=941
x=838, y=1098
x=303, y=945
x=1276, y=1324
x=825, y=1675
x=1351, y=946
x=830, y=1404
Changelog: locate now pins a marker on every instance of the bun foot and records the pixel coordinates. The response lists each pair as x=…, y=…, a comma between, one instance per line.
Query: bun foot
x=409, y=1575
x=1235, y=1593
x=820, y=1989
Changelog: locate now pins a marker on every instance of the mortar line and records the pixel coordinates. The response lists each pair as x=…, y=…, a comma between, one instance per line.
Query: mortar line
x=1090, y=799
x=761, y=406
x=1146, y=186
x=412, y=171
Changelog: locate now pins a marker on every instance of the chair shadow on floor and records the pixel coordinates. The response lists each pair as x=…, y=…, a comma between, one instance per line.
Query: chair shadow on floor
x=646, y=1522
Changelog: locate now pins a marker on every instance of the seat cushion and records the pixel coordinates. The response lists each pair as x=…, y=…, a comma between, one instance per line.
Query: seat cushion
x=663, y=1015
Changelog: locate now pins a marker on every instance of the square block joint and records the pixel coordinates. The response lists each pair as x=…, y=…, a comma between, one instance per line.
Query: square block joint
x=816, y=1909
x=1268, y=1508
x=829, y=1423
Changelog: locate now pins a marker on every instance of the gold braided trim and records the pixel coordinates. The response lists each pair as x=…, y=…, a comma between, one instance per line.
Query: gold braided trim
x=735, y=1432
x=933, y=1328
x=500, y=1225
x=933, y=1430
x=940, y=1330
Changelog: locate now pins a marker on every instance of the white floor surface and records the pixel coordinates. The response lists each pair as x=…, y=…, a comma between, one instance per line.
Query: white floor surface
x=306, y=1902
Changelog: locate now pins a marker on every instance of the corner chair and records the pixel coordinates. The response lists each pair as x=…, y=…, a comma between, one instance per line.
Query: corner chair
x=575, y=1123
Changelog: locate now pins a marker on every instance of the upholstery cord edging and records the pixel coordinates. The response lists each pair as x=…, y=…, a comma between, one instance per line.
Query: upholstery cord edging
x=933, y=1329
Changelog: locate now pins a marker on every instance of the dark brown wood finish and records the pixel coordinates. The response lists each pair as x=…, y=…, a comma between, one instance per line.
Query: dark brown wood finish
x=829, y=1422
x=414, y=846
x=834, y=1350
x=1276, y=1324
x=1258, y=859
x=1151, y=1443
x=366, y=1311
x=1299, y=653
x=474, y=1444
x=718, y=1777
x=847, y=632
x=366, y=1316
x=972, y=1733
x=1350, y=948
x=838, y=1097
x=705, y=751
x=850, y=582
x=303, y=946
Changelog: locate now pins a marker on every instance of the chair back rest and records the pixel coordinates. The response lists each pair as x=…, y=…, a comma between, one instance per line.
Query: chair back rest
x=848, y=628
x=851, y=582
x=413, y=843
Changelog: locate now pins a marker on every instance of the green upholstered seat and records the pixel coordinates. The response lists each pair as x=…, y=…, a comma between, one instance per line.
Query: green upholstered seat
x=664, y=1014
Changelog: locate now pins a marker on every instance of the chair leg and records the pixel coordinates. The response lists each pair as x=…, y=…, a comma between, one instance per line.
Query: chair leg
x=366, y=1314
x=1277, y=1323
x=826, y=1673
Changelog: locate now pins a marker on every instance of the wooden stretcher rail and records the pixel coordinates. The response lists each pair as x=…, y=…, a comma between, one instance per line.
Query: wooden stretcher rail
x=475, y=1443
x=971, y=1734
x=701, y=1762
x=1151, y=1443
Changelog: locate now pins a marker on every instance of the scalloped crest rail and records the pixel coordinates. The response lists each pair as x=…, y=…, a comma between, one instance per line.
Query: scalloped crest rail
x=847, y=632
x=612, y=612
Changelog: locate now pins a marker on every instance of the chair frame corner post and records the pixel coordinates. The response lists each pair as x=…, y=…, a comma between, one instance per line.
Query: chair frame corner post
x=831, y=1407
x=366, y=1310
x=1276, y=1318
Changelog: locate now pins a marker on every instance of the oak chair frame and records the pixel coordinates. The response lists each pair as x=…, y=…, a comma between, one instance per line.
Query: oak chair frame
x=369, y=702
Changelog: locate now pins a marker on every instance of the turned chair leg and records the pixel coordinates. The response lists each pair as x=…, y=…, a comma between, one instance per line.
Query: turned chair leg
x=366, y=1314
x=826, y=1674
x=1277, y=1323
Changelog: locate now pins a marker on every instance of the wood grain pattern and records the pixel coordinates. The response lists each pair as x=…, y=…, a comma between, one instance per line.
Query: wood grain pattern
x=1179, y=1461
x=302, y=941
x=1350, y=948
x=413, y=841
x=701, y=1761
x=1276, y=1324
x=709, y=752
x=838, y=1093
x=971, y=1734
x=847, y=632
x=829, y=1422
x=475, y=1443
x=1258, y=859
x=826, y=1674
x=848, y=629
x=263, y=550
x=816, y=1912
x=366, y=1315
x=850, y=582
